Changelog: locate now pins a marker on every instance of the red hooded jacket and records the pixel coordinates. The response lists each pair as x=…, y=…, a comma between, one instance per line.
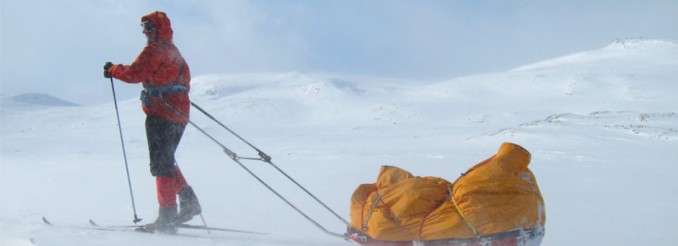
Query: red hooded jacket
x=160, y=64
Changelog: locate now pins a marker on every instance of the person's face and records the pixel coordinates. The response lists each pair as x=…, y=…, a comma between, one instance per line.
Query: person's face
x=151, y=36
x=149, y=29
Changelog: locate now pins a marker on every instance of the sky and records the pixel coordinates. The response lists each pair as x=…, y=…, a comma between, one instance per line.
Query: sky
x=59, y=47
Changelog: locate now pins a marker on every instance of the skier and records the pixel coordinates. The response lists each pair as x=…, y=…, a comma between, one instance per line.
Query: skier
x=166, y=78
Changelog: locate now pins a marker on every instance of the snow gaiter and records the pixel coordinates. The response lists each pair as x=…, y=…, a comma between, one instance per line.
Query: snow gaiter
x=188, y=201
x=167, y=193
x=180, y=180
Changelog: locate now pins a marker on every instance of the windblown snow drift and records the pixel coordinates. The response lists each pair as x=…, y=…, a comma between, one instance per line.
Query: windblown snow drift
x=496, y=202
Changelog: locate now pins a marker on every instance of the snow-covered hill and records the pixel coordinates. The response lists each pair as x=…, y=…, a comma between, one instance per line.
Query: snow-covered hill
x=602, y=126
x=33, y=100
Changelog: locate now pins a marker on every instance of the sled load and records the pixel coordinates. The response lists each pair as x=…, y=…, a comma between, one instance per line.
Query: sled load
x=496, y=203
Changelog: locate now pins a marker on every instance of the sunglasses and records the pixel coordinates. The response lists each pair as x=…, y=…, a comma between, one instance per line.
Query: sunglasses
x=148, y=26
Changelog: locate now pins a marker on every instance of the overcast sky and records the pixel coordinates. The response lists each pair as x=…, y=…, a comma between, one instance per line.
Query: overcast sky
x=59, y=47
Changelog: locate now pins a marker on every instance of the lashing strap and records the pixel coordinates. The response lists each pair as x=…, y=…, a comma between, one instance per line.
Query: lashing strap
x=462, y=214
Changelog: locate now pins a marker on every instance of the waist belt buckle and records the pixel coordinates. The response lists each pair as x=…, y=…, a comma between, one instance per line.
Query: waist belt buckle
x=145, y=98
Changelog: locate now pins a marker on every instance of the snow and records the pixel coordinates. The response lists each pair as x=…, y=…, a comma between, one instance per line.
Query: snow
x=602, y=127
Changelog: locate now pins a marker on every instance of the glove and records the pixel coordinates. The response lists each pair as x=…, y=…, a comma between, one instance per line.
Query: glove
x=107, y=66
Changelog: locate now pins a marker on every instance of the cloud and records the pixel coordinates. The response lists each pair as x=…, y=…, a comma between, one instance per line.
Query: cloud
x=59, y=47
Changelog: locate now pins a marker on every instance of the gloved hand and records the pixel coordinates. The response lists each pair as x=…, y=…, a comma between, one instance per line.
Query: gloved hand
x=106, y=67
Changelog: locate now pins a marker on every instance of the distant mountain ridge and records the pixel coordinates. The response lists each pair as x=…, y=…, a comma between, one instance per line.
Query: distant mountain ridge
x=39, y=99
x=625, y=70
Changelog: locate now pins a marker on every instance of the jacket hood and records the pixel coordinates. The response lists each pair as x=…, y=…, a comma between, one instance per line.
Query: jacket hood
x=162, y=24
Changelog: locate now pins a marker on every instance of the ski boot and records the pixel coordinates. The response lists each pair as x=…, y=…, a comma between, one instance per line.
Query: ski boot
x=165, y=223
x=188, y=204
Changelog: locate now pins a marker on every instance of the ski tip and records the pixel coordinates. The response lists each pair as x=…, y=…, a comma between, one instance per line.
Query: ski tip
x=46, y=221
x=91, y=222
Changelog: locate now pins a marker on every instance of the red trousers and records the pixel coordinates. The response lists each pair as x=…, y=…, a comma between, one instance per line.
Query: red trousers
x=168, y=187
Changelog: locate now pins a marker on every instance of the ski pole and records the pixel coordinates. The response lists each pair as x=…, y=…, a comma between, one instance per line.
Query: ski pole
x=124, y=154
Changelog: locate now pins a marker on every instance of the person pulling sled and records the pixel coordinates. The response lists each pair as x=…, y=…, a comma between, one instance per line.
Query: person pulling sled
x=166, y=79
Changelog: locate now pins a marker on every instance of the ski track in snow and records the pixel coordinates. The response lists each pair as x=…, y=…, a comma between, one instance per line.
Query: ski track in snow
x=602, y=127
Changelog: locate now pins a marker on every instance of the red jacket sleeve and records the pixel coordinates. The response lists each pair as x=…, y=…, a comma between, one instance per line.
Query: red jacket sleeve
x=140, y=70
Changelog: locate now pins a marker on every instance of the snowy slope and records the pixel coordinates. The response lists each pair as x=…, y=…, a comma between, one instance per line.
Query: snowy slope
x=602, y=126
